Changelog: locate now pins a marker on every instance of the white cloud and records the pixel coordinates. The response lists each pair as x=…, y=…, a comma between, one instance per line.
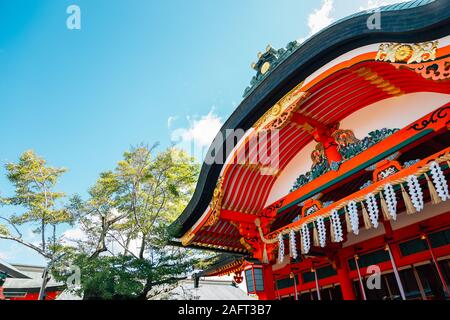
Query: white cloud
x=75, y=235
x=372, y=4
x=198, y=135
x=72, y=236
x=13, y=252
x=321, y=17
x=196, y=138
x=204, y=130
x=170, y=121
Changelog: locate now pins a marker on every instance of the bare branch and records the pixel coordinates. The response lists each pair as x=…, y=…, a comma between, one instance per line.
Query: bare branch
x=27, y=244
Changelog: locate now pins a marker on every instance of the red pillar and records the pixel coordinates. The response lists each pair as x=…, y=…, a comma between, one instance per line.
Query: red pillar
x=321, y=133
x=329, y=144
x=331, y=150
x=2, y=297
x=269, y=284
x=344, y=280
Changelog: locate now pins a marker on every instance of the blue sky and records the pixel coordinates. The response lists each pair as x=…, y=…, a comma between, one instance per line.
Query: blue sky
x=137, y=71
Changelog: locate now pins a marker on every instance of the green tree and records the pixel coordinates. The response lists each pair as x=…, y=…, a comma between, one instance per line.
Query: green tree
x=135, y=203
x=34, y=182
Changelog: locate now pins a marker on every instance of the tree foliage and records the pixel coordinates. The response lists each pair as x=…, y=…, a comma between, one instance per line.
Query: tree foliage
x=130, y=209
x=34, y=192
x=125, y=251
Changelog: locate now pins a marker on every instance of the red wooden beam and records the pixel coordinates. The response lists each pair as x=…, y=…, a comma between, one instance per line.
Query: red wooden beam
x=235, y=216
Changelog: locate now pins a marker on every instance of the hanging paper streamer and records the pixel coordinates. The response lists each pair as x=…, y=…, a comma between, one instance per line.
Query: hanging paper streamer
x=391, y=200
x=280, y=248
x=306, y=239
x=338, y=235
x=292, y=245
x=372, y=208
x=439, y=181
x=348, y=224
x=384, y=207
x=265, y=255
x=365, y=216
x=435, y=199
x=415, y=191
x=412, y=195
x=315, y=236
x=320, y=223
x=332, y=232
x=410, y=209
x=353, y=217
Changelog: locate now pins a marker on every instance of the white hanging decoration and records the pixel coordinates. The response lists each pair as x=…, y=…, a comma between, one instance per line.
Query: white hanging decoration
x=292, y=245
x=439, y=181
x=415, y=191
x=306, y=239
x=353, y=216
x=391, y=200
x=280, y=248
x=337, y=226
x=372, y=209
x=322, y=232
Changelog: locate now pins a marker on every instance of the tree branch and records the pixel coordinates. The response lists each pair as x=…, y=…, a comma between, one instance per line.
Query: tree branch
x=27, y=244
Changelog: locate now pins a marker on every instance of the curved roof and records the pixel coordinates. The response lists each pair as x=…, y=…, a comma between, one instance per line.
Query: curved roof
x=414, y=21
x=285, y=53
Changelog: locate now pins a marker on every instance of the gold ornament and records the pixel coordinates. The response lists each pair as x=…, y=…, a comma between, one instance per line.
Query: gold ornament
x=279, y=115
x=265, y=67
x=246, y=245
x=378, y=81
x=187, y=238
x=318, y=155
x=344, y=137
x=216, y=204
x=407, y=53
x=403, y=53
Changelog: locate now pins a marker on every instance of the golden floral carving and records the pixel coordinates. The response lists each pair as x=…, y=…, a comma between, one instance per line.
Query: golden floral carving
x=278, y=116
x=187, y=238
x=271, y=114
x=404, y=53
x=407, y=53
x=344, y=137
x=215, y=207
x=216, y=204
x=318, y=154
x=282, y=120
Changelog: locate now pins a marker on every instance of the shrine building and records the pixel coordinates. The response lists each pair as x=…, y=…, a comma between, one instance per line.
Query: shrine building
x=337, y=188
